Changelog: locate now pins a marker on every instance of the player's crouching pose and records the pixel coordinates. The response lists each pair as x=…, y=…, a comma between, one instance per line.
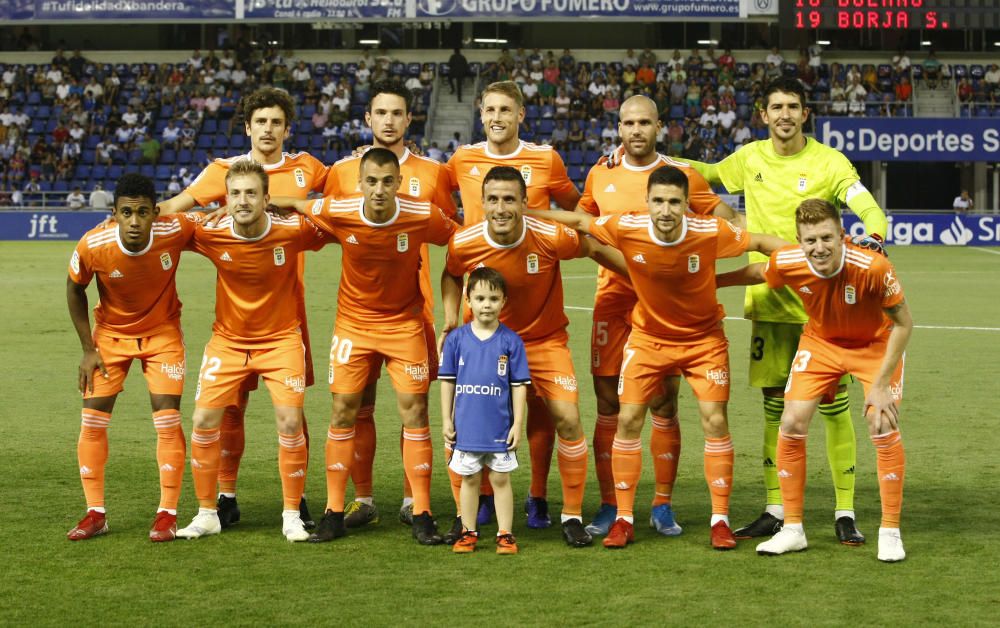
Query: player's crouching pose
x=256, y=333
x=134, y=259
x=677, y=325
x=483, y=376
x=859, y=323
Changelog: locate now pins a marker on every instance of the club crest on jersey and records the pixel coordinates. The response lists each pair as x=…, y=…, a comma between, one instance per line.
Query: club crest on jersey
x=533, y=264
x=526, y=174
x=694, y=263
x=802, y=183
x=502, y=366
x=402, y=242
x=300, y=177
x=166, y=262
x=279, y=256
x=414, y=186
x=850, y=295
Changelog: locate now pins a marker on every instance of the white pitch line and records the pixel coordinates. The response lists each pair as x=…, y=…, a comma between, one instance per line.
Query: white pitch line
x=740, y=318
x=979, y=248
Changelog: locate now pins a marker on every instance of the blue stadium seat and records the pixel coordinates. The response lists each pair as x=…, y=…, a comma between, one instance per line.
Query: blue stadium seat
x=475, y=67
x=413, y=69
x=591, y=156
x=320, y=69
x=99, y=172
x=545, y=126
x=977, y=71
x=209, y=126
x=351, y=68
x=163, y=171
x=959, y=71
x=337, y=69
x=221, y=142
x=305, y=126
x=531, y=112
x=917, y=72
x=790, y=69
x=147, y=170
x=115, y=171
x=442, y=69
x=575, y=157
x=60, y=186
x=205, y=141
x=183, y=157
x=83, y=171
x=397, y=68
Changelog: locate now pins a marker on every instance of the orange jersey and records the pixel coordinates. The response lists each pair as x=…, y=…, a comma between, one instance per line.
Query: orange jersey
x=542, y=168
x=380, y=264
x=256, y=287
x=622, y=190
x=296, y=175
x=138, y=295
x=675, y=281
x=424, y=180
x=531, y=269
x=845, y=308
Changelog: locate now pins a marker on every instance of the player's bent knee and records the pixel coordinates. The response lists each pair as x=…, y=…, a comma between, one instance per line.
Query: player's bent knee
x=207, y=418
x=714, y=421
x=288, y=419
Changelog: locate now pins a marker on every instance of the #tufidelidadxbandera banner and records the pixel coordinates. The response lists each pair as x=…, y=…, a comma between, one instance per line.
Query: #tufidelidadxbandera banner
x=912, y=139
x=167, y=10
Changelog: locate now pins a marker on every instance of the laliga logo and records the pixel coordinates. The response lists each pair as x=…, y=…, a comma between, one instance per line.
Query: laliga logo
x=436, y=7
x=957, y=234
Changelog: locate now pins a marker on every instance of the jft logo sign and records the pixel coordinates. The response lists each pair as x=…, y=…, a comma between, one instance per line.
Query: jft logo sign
x=44, y=226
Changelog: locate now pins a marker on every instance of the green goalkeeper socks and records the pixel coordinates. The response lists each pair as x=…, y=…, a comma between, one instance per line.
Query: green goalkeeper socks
x=841, y=448
x=773, y=407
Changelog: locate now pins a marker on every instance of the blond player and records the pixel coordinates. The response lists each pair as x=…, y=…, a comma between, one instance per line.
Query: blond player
x=134, y=261
x=424, y=180
x=676, y=325
x=859, y=323
x=257, y=333
x=379, y=320
x=267, y=114
x=527, y=252
x=546, y=181
x=611, y=192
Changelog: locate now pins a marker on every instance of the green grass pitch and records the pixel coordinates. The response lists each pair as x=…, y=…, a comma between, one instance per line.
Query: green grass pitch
x=379, y=576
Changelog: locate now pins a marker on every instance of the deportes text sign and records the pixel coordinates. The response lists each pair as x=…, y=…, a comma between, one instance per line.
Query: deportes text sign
x=948, y=229
x=912, y=139
x=38, y=225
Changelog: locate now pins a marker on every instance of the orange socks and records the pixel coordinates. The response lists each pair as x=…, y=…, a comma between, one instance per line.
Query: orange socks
x=719, y=472
x=665, y=447
x=604, y=437
x=233, y=441
x=92, y=453
x=626, y=464
x=455, y=480
x=791, y=464
x=891, y=465
x=573, y=474
x=364, y=451
x=339, y=458
x=205, y=454
x=418, y=459
x=171, y=450
x=292, y=459
x=541, y=432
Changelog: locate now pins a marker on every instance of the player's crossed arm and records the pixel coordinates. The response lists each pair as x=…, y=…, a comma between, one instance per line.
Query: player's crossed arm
x=607, y=256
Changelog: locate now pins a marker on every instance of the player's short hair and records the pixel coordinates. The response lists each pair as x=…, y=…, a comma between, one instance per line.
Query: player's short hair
x=508, y=89
x=381, y=157
x=813, y=211
x=394, y=87
x=506, y=173
x=668, y=175
x=245, y=167
x=489, y=276
x=268, y=97
x=785, y=85
x=135, y=185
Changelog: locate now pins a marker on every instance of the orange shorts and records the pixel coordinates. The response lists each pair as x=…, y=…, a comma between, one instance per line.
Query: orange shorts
x=430, y=336
x=819, y=366
x=610, y=329
x=647, y=359
x=551, y=366
x=356, y=354
x=162, y=357
x=225, y=368
x=250, y=383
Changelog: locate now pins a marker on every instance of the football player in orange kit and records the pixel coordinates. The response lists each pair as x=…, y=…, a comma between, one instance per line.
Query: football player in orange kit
x=268, y=114
x=859, y=323
x=424, y=180
x=134, y=260
x=257, y=332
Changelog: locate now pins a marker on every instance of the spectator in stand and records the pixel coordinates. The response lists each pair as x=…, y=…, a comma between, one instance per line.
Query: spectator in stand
x=76, y=199
x=99, y=198
x=300, y=75
x=174, y=187
x=772, y=72
x=963, y=203
x=150, y=147
x=855, y=90
x=647, y=57
x=904, y=92
x=775, y=57
x=932, y=70
x=900, y=64
x=630, y=60
x=195, y=60
x=560, y=135
x=212, y=104
x=458, y=70
x=188, y=135
x=592, y=134
x=551, y=73
x=609, y=132
x=692, y=100
x=575, y=138
x=869, y=78
x=567, y=63
x=708, y=98
x=726, y=118
x=741, y=133
x=676, y=60
x=856, y=103
x=710, y=63
x=675, y=138
x=104, y=152
x=239, y=75
x=530, y=90
x=709, y=117
x=607, y=147
x=562, y=102
x=646, y=75
x=694, y=63
x=806, y=73
x=727, y=60
x=597, y=88
x=839, y=106
x=991, y=82
x=678, y=91
x=610, y=103
x=628, y=76
x=964, y=90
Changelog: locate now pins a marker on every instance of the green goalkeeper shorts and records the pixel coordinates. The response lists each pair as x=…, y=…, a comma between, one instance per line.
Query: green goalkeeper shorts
x=772, y=350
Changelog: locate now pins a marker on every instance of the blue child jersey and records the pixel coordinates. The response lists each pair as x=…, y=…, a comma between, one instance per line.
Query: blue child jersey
x=483, y=372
